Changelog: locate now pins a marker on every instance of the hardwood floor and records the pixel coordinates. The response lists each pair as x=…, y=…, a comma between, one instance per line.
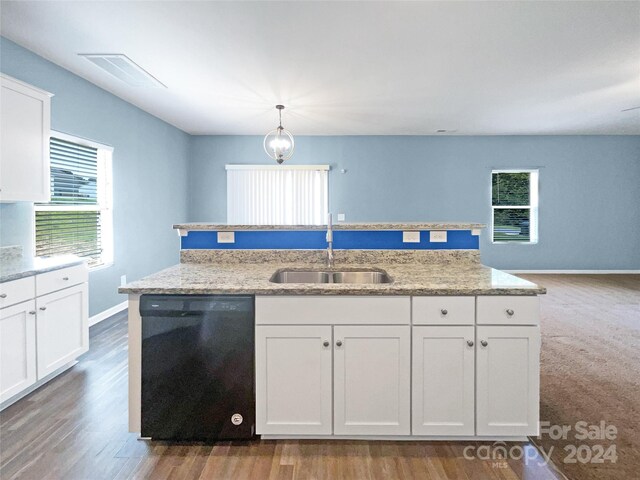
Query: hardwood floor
x=75, y=427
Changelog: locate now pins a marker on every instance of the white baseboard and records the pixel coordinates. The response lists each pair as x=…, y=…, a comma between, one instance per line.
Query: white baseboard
x=107, y=313
x=577, y=272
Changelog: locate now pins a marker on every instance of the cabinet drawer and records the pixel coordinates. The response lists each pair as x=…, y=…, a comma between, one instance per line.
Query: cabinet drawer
x=508, y=310
x=443, y=310
x=59, y=279
x=332, y=310
x=17, y=291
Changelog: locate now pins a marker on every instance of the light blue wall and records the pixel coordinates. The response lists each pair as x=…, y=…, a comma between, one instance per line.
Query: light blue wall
x=150, y=163
x=589, y=188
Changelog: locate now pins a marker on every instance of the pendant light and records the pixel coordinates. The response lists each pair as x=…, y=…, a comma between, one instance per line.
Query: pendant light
x=278, y=143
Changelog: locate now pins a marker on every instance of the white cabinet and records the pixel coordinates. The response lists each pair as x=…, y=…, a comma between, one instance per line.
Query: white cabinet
x=443, y=380
x=17, y=348
x=345, y=380
x=46, y=332
x=293, y=379
x=507, y=378
x=508, y=310
x=325, y=371
x=443, y=310
x=62, y=328
x=332, y=309
x=372, y=380
x=321, y=370
x=17, y=291
x=24, y=151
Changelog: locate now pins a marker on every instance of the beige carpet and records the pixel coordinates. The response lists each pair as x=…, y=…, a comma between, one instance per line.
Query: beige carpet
x=591, y=368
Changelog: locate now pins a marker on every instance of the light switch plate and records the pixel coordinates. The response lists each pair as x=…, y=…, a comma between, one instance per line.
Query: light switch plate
x=226, y=237
x=123, y=280
x=341, y=217
x=411, y=237
x=438, y=236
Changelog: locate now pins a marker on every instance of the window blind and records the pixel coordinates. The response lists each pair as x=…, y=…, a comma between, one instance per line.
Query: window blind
x=294, y=195
x=74, y=173
x=70, y=223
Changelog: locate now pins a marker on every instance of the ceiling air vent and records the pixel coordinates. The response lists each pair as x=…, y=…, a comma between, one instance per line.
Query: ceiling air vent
x=123, y=68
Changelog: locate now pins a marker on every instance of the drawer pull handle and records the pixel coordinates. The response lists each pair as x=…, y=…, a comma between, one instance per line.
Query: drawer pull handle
x=339, y=343
x=3, y=295
x=65, y=278
x=510, y=312
x=444, y=311
x=470, y=343
x=43, y=308
x=32, y=312
x=325, y=344
x=484, y=343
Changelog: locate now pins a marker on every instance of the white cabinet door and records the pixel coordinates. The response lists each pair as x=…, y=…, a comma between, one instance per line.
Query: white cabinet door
x=443, y=380
x=508, y=380
x=17, y=348
x=372, y=380
x=293, y=380
x=62, y=327
x=24, y=153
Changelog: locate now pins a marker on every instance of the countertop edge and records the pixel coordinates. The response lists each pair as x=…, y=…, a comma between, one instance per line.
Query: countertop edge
x=409, y=292
x=337, y=226
x=29, y=272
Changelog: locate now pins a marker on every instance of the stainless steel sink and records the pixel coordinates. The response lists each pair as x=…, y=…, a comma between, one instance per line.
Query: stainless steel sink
x=299, y=276
x=361, y=277
x=323, y=276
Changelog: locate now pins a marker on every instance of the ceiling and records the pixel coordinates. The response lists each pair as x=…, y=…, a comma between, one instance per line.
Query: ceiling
x=357, y=68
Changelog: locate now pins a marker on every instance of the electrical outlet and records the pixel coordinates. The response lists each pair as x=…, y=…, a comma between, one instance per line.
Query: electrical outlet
x=226, y=237
x=411, y=237
x=123, y=280
x=341, y=217
x=475, y=232
x=438, y=236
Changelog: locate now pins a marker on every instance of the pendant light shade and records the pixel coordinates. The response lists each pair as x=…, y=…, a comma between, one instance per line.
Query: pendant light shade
x=279, y=143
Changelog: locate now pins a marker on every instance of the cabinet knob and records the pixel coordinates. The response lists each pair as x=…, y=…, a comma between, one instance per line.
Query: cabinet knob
x=510, y=312
x=484, y=343
x=339, y=343
x=470, y=343
x=43, y=308
x=444, y=311
x=325, y=343
x=65, y=278
x=3, y=295
x=32, y=312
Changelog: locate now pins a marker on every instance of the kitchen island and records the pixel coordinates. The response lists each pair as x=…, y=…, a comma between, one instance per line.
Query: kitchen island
x=448, y=348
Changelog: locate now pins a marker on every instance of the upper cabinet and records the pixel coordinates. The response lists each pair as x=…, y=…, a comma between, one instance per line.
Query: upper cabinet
x=25, y=122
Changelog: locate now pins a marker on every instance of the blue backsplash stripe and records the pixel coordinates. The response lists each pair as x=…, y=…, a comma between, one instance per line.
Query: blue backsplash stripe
x=258, y=239
x=316, y=239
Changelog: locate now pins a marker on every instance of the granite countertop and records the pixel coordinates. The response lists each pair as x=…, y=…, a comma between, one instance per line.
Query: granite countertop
x=336, y=226
x=19, y=267
x=464, y=278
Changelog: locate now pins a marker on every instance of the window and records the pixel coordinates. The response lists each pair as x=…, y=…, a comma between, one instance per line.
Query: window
x=78, y=219
x=277, y=195
x=514, y=204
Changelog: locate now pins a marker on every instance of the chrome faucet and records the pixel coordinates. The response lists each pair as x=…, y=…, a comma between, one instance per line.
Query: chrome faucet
x=330, y=242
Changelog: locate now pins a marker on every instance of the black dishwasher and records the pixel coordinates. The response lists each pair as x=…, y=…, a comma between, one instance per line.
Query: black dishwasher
x=197, y=367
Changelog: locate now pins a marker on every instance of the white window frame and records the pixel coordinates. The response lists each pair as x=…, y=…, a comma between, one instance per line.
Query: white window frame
x=104, y=193
x=534, y=178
